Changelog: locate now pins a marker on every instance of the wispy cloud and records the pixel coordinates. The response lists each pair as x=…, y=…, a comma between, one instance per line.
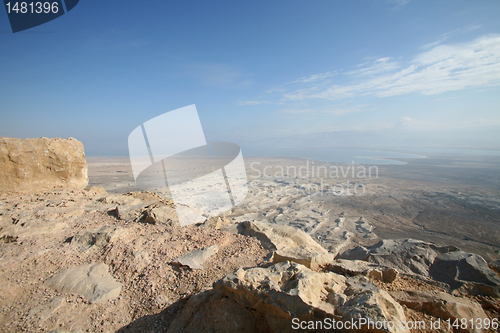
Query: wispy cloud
x=440, y=69
x=380, y=65
x=315, y=77
x=448, y=34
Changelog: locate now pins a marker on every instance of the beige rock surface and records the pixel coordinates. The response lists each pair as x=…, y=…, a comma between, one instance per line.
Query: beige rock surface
x=288, y=243
x=283, y=291
x=38, y=164
x=442, y=305
x=196, y=259
x=367, y=301
x=92, y=281
x=211, y=311
x=359, y=267
x=288, y=290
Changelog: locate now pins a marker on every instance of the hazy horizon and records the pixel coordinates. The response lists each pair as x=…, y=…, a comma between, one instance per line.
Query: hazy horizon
x=377, y=74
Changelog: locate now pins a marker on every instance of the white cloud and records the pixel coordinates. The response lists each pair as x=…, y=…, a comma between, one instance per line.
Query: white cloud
x=314, y=78
x=442, y=68
x=379, y=66
x=448, y=34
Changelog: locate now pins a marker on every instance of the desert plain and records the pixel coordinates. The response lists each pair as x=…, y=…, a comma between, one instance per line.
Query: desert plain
x=312, y=240
x=445, y=199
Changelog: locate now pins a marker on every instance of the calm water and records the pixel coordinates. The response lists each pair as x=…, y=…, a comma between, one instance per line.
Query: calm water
x=337, y=155
x=363, y=156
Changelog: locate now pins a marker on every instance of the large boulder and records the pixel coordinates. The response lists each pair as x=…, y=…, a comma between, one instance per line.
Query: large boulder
x=39, y=164
x=467, y=271
x=408, y=256
x=446, y=265
x=288, y=293
x=366, y=303
x=283, y=291
x=288, y=243
x=495, y=265
x=211, y=311
x=443, y=306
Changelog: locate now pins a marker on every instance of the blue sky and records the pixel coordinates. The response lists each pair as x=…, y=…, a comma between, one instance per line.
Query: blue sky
x=320, y=73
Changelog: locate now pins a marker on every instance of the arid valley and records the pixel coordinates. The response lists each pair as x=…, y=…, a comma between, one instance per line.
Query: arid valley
x=445, y=199
x=314, y=247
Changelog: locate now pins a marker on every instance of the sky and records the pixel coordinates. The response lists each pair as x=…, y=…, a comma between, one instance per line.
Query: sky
x=374, y=73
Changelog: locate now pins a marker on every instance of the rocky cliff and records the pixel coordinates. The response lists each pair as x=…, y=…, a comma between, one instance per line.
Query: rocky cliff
x=39, y=164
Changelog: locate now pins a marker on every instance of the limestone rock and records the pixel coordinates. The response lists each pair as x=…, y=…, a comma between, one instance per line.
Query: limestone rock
x=216, y=222
x=359, y=267
x=369, y=302
x=495, y=265
x=441, y=305
x=358, y=253
x=128, y=207
x=467, y=271
x=44, y=311
x=196, y=259
x=96, y=191
x=289, y=290
x=143, y=207
x=141, y=258
x=39, y=164
x=408, y=256
x=99, y=237
x=162, y=215
x=288, y=243
x=92, y=281
x=282, y=291
x=212, y=312
x=447, y=265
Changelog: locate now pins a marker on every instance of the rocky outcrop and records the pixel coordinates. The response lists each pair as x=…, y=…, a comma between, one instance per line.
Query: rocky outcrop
x=39, y=164
x=288, y=290
x=365, y=301
x=99, y=237
x=495, y=265
x=447, y=265
x=409, y=256
x=442, y=305
x=211, y=311
x=288, y=243
x=91, y=281
x=466, y=271
x=359, y=267
x=196, y=259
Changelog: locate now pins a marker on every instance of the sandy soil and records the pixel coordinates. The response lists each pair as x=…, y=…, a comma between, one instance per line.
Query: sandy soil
x=40, y=245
